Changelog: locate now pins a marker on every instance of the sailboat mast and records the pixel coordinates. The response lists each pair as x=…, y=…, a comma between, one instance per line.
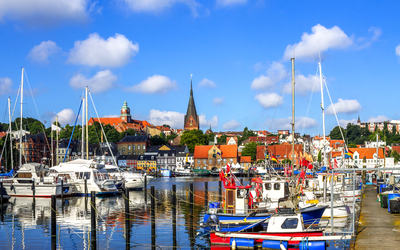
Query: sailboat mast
x=323, y=112
x=292, y=59
x=83, y=130
x=87, y=127
x=20, y=127
x=9, y=132
x=57, y=140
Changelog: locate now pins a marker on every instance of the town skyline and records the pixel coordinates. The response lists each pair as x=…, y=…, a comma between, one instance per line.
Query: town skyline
x=238, y=52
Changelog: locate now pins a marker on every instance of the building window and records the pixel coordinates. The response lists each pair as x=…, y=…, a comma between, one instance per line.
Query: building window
x=123, y=149
x=172, y=160
x=210, y=161
x=224, y=160
x=204, y=161
x=138, y=147
x=129, y=147
x=169, y=160
x=133, y=147
x=144, y=147
x=198, y=161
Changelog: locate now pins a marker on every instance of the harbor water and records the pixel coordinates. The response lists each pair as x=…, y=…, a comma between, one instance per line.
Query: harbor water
x=27, y=225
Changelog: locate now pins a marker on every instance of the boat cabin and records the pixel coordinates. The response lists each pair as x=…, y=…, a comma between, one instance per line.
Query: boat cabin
x=236, y=199
x=281, y=223
x=338, y=180
x=274, y=189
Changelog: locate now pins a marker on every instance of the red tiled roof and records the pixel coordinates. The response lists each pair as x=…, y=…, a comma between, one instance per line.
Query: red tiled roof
x=335, y=154
x=367, y=152
x=285, y=151
x=245, y=159
x=2, y=134
x=201, y=152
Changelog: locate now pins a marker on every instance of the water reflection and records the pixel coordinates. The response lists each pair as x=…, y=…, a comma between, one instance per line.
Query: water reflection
x=27, y=223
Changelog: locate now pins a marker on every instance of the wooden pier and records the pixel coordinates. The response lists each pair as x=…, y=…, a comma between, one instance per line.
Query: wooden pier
x=377, y=228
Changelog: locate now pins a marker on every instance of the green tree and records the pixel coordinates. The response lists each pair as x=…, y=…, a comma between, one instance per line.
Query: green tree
x=192, y=138
x=157, y=140
x=250, y=150
x=222, y=139
x=335, y=133
x=171, y=137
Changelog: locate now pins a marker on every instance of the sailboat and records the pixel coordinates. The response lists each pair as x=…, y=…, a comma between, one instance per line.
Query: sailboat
x=33, y=179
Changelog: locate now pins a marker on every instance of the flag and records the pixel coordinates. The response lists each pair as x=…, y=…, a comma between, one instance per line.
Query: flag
x=335, y=163
x=348, y=154
x=273, y=158
x=54, y=127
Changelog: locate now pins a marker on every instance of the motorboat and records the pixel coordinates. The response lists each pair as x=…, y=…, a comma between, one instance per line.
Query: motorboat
x=125, y=179
x=80, y=172
x=35, y=179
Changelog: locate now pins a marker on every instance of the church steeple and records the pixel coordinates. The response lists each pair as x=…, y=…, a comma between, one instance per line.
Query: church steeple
x=192, y=120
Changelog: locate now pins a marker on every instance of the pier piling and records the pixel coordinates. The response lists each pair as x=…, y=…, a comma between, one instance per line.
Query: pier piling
x=174, y=199
x=62, y=189
x=206, y=193
x=153, y=218
x=220, y=191
x=127, y=221
x=33, y=190
x=93, y=220
x=1, y=199
x=53, y=222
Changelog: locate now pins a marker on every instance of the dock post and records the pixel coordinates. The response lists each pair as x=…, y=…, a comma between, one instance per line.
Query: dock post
x=220, y=191
x=206, y=193
x=174, y=199
x=62, y=189
x=33, y=190
x=145, y=188
x=324, y=199
x=85, y=188
x=127, y=221
x=93, y=220
x=1, y=198
x=53, y=222
x=153, y=218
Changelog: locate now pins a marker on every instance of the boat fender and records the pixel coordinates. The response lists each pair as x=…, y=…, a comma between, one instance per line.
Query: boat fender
x=11, y=187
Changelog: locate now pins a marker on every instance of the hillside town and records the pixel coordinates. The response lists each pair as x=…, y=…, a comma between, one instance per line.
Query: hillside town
x=145, y=146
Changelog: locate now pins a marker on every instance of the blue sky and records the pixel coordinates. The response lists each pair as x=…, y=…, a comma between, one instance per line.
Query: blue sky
x=144, y=52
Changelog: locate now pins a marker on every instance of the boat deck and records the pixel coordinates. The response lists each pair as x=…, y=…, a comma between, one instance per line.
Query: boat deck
x=377, y=228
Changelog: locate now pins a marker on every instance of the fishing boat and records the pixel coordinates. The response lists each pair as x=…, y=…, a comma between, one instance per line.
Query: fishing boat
x=80, y=172
x=287, y=225
x=35, y=179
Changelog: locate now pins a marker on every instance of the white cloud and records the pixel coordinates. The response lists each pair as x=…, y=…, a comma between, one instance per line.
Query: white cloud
x=366, y=42
x=43, y=51
x=303, y=84
x=344, y=106
x=204, y=123
x=154, y=85
x=233, y=124
x=218, y=101
x=285, y=123
x=225, y=3
x=275, y=73
x=319, y=41
x=397, y=50
x=343, y=122
x=102, y=81
x=268, y=100
x=65, y=116
x=45, y=11
x=172, y=118
x=5, y=86
x=207, y=83
x=379, y=118
x=96, y=51
x=156, y=6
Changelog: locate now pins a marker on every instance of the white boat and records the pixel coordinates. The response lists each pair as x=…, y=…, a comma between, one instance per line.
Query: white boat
x=127, y=179
x=21, y=183
x=182, y=171
x=77, y=171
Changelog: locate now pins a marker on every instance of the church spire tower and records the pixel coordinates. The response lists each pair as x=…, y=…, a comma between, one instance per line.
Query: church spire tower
x=192, y=120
